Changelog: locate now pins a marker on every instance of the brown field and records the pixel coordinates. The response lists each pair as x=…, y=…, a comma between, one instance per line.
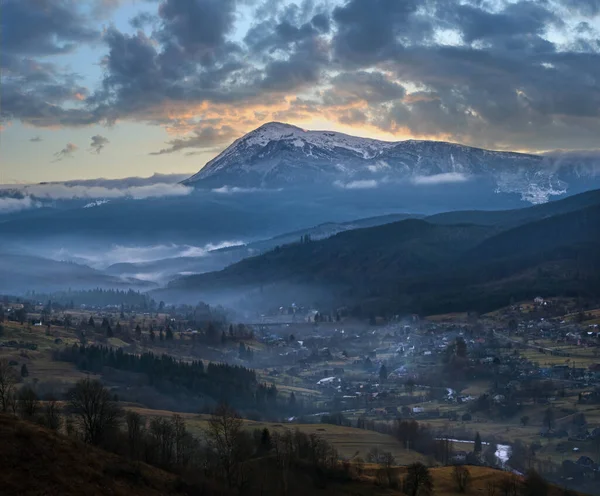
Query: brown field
x=349, y=441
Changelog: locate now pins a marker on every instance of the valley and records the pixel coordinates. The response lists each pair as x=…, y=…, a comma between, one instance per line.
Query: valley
x=350, y=332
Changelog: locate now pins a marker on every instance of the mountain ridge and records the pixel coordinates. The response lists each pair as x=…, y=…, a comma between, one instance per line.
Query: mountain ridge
x=279, y=155
x=415, y=265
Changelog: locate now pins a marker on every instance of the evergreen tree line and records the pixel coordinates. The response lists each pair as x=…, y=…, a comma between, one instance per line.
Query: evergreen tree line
x=234, y=384
x=97, y=297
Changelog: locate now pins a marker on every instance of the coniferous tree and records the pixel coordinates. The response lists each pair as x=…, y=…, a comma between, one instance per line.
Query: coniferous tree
x=383, y=373
x=477, y=448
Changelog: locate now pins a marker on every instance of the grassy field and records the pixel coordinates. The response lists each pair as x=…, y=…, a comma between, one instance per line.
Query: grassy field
x=350, y=442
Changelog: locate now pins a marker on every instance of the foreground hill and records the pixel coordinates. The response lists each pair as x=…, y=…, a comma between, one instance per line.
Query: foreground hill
x=35, y=461
x=418, y=266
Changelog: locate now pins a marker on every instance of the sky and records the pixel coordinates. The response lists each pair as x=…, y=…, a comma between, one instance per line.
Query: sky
x=121, y=88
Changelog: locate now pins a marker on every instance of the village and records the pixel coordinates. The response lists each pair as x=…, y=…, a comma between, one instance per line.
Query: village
x=525, y=379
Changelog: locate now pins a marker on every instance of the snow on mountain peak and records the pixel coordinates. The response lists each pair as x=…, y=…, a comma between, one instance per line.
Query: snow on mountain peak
x=328, y=140
x=277, y=154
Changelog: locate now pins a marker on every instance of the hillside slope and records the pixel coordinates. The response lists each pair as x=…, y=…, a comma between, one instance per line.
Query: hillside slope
x=36, y=462
x=516, y=217
x=418, y=266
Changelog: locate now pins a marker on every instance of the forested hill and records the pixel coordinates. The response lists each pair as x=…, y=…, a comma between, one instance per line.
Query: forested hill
x=516, y=217
x=419, y=266
x=363, y=255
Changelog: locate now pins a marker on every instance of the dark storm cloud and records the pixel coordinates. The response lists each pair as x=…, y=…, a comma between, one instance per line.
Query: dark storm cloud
x=140, y=21
x=198, y=27
x=36, y=93
x=497, y=99
x=371, y=87
x=302, y=67
x=518, y=19
x=484, y=73
x=35, y=27
x=584, y=7
x=321, y=22
x=369, y=31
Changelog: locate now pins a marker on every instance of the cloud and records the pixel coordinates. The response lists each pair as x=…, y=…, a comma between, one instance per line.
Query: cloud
x=58, y=191
x=51, y=27
x=156, y=186
x=378, y=167
x=370, y=87
x=129, y=182
x=66, y=152
x=517, y=74
x=12, y=205
x=359, y=184
x=98, y=143
x=204, y=137
x=445, y=178
x=140, y=254
x=229, y=190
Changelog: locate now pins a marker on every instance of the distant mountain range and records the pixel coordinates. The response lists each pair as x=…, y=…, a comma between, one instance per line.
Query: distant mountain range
x=280, y=155
x=22, y=273
x=424, y=265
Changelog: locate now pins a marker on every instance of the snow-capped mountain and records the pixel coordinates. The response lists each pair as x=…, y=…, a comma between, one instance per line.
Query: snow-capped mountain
x=278, y=155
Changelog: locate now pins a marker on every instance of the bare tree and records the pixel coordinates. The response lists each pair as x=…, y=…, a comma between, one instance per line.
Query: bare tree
x=94, y=409
x=491, y=488
x=135, y=431
x=162, y=432
x=534, y=485
x=509, y=486
x=462, y=478
x=418, y=480
x=51, y=414
x=388, y=462
x=283, y=448
x=28, y=403
x=8, y=379
x=223, y=435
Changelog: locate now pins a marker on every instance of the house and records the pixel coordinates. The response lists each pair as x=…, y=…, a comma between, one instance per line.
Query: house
x=585, y=461
x=327, y=381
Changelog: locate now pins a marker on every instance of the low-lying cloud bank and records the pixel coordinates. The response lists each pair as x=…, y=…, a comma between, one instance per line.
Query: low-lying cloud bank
x=446, y=178
x=14, y=198
x=10, y=205
x=60, y=191
x=359, y=184
x=138, y=254
x=230, y=190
